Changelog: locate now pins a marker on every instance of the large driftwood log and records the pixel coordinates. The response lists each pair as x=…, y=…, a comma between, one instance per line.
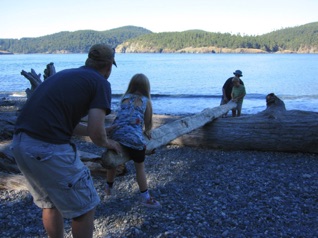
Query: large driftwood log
x=294, y=131
x=164, y=134
x=274, y=129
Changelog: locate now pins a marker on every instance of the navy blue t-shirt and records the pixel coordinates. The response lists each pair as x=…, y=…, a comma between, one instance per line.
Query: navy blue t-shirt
x=59, y=103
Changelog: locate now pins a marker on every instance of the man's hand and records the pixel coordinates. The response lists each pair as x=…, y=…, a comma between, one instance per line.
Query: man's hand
x=114, y=145
x=148, y=134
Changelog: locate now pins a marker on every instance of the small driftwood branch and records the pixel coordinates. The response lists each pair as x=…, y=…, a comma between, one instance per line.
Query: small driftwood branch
x=35, y=79
x=50, y=70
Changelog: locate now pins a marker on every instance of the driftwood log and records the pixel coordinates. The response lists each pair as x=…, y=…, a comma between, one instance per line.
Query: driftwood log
x=164, y=134
x=11, y=178
x=274, y=129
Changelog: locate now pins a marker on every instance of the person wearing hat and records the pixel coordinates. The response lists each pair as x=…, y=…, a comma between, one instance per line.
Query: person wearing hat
x=61, y=185
x=227, y=89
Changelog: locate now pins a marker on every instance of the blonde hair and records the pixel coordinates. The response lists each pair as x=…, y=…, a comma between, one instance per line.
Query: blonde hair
x=235, y=79
x=139, y=84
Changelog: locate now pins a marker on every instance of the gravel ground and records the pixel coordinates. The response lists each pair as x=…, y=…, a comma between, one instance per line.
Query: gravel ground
x=204, y=193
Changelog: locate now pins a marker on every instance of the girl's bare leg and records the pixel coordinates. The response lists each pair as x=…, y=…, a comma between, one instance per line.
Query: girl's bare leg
x=141, y=176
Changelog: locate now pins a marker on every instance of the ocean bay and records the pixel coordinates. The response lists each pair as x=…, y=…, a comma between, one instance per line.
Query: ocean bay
x=189, y=83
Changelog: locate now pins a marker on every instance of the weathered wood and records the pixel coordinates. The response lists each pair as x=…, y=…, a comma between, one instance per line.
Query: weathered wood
x=274, y=129
x=293, y=131
x=49, y=70
x=7, y=122
x=35, y=79
x=168, y=132
x=12, y=182
x=7, y=161
x=12, y=179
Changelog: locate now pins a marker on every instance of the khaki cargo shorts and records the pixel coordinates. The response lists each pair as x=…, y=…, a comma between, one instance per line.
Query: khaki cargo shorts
x=55, y=175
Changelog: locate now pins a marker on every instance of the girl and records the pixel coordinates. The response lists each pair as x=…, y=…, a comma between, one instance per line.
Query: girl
x=238, y=94
x=133, y=119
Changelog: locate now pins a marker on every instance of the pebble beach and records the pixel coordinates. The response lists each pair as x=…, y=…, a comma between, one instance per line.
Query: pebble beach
x=203, y=193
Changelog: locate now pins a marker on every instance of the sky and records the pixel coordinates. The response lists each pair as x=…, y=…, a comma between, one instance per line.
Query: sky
x=34, y=18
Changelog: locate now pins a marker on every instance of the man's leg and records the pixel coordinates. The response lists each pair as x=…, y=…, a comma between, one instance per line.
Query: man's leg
x=83, y=226
x=53, y=222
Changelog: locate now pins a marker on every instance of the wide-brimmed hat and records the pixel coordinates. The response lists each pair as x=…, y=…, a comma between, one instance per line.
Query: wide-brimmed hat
x=102, y=53
x=238, y=72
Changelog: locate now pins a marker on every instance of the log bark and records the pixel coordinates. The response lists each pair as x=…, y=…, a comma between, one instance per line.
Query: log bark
x=293, y=131
x=274, y=129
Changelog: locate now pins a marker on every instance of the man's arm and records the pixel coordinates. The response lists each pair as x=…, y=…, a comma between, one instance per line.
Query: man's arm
x=95, y=129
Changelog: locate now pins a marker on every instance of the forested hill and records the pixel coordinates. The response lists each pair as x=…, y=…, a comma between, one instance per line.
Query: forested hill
x=128, y=39
x=71, y=42
x=301, y=39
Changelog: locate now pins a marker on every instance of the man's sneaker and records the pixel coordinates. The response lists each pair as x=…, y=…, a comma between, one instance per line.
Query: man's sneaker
x=151, y=202
x=108, y=190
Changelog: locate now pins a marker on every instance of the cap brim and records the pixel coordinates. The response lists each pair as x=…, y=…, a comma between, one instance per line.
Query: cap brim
x=114, y=63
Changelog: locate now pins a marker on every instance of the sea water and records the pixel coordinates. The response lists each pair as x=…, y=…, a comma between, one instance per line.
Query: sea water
x=188, y=83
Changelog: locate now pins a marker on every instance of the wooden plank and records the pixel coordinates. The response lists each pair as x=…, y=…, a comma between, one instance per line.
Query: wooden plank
x=164, y=134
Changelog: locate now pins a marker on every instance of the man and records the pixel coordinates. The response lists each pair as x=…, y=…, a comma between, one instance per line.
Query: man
x=59, y=182
x=227, y=88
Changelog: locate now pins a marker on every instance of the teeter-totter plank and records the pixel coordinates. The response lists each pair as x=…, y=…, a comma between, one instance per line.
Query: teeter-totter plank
x=170, y=131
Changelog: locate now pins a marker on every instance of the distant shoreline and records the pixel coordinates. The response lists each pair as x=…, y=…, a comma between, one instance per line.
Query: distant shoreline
x=182, y=51
x=12, y=94
x=5, y=53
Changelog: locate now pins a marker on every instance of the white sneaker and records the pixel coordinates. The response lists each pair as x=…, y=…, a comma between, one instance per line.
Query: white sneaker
x=151, y=203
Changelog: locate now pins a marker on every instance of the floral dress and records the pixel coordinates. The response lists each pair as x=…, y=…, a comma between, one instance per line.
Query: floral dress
x=130, y=122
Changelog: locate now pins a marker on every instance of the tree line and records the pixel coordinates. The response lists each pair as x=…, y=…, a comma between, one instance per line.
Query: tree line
x=71, y=42
x=296, y=39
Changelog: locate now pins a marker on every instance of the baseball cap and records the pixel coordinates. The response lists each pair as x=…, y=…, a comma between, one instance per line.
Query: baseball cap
x=102, y=53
